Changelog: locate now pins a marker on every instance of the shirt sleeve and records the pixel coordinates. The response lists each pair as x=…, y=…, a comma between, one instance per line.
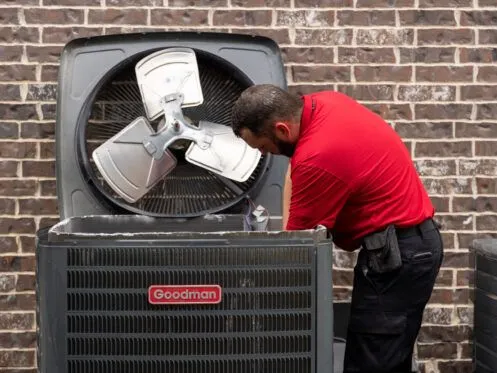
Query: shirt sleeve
x=317, y=198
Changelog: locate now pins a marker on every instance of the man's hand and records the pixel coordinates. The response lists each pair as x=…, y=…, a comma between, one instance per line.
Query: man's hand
x=287, y=193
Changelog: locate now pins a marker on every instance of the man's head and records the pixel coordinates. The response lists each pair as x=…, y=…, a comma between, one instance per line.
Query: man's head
x=268, y=118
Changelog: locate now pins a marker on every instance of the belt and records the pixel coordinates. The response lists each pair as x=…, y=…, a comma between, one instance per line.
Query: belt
x=423, y=227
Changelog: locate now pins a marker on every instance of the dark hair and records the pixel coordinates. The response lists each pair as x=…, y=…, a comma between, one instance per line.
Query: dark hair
x=259, y=106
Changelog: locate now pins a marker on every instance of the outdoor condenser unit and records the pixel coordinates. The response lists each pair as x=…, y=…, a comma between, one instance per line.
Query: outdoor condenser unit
x=134, y=294
x=155, y=266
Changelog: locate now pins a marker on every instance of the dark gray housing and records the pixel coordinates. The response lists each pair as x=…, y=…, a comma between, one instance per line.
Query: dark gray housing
x=276, y=312
x=89, y=67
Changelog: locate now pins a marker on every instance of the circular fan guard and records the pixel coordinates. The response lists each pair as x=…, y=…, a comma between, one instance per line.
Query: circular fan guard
x=188, y=190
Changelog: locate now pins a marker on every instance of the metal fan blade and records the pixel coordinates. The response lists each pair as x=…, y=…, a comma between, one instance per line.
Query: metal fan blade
x=127, y=166
x=226, y=155
x=168, y=71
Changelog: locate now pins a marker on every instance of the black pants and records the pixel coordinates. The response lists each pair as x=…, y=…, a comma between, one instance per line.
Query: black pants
x=387, y=308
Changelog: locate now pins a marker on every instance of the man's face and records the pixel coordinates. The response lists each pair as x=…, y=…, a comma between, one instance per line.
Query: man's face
x=268, y=143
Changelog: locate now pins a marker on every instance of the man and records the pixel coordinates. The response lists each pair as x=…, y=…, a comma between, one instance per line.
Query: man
x=351, y=172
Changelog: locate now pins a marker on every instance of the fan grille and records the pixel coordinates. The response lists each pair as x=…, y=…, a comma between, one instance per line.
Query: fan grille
x=188, y=190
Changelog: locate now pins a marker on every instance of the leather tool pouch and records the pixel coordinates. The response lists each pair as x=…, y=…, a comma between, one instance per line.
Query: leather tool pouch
x=383, y=252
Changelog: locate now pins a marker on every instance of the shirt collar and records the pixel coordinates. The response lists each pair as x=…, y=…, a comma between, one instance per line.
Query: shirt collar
x=305, y=119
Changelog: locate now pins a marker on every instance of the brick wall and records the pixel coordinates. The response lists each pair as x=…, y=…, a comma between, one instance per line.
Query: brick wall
x=427, y=66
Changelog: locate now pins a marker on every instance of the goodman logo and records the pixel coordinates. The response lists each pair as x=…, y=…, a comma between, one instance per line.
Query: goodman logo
x=184, y=294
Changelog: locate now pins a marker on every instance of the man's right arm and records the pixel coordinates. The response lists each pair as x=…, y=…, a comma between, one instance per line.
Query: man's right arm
x=287, y=194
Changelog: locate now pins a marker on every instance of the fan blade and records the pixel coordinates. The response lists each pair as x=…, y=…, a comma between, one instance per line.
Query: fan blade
x=168, y=71
x=126, y=165
x=227, y=155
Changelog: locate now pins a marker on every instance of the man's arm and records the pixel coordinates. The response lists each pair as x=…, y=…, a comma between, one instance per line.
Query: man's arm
x=317, y=197
x=287, y=194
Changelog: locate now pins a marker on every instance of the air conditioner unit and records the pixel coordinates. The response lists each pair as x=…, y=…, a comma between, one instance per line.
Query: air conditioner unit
x=148, y=200
x=133, y=294
x=109, y=92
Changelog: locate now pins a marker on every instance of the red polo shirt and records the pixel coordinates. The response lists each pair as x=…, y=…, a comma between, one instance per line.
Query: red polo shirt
x=351, y=172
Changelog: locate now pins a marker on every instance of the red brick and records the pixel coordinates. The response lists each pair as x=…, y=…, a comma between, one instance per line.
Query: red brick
x=18, y=340
x=323, y=37
x=280, y=36
x=49, y=111
x=17, y=225
x=38, y=206
x=484, y=167
x=18, y=150
x=324, y=3
x=38, y=168
x=381, y=3
x=456, y=366
x=343, y=277
x=366, y=18
x=381, y=92
x=27, y=244
x=49, y=73
x=171, y=17
x=17, y=321
x=460, y=185
x=445, y=4
x=18, y=73
x=36, y=130
x=10, y=92
x=450, y=296
x=10, y=53
x=478, y=204
x=13, y=358
x=485, y=148
x=17, y=263
x=392, y=111
x=7, y=206
x=321, y=73
x=466, y=239
x=53, y=16
x=127, y=3
x=8, y=244
x=427, y=17
x=479, y=93
x=48, y=222
x=444, y=73
x=452, y=333
x=437, y=351
x=9, y=130
x=48, y=188
x=117, y=16
x=25, y=282
x=9, y=15
x=485, y=185
x=432, y=167
x=486, y=222
x=457, y=260
x=443, y=112
x=18, y=111
x=16, y=35
x=7, y=283
x=261, y=3
x=17, y=187
x=445, y=278
x=425, y=130
x=486, y=111
x=385, y=36
x=441, y=204
x=43, y=53
x=487, y=74
x=303, y=89
x=73, y=2
x=465, y=277
x=478, y=55
x=310, y=55
x=382, y=73
x=432, y=55
x=446, y=36
x=488, y=36
x=364, y=55
x=302, y=18
x=241, y=17
x=476, y=129
x=62, y=35
x=8, y=169
x=416, y=93
x=478, y=17
x=198, y=3
x=443, y=149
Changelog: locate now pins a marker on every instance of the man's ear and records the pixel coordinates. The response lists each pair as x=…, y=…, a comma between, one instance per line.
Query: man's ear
x=282, y=130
